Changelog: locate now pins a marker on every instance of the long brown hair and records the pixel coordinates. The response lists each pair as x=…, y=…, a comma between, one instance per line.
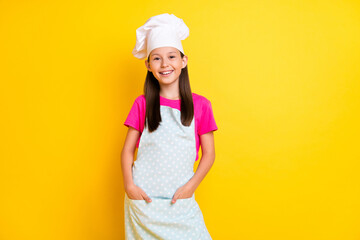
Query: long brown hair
x=152, y=97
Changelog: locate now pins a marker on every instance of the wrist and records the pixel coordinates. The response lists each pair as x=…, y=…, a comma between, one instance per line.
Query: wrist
x=129, y=185
x=192, y=185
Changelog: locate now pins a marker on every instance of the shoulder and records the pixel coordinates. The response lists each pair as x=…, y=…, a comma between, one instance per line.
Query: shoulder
x=200, y=100
x=203, y=114
x=140, y=98
x=140, y=101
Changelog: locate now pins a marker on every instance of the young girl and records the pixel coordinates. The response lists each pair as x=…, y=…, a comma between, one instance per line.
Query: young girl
x=168, y=124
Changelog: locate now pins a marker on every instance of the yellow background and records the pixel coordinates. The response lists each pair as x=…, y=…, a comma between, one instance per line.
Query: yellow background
x=283, y=78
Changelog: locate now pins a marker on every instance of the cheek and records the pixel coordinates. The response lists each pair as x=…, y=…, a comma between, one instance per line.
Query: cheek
x=154, y=68
x=179, y=66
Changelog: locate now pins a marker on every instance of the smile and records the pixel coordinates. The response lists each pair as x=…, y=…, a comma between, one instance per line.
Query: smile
x=166, y=73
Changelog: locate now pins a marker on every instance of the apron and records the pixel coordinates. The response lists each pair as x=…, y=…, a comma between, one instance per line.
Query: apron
x=165, y=162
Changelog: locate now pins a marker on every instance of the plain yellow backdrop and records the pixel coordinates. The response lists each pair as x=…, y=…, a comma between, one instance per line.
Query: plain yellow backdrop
x=283, y=78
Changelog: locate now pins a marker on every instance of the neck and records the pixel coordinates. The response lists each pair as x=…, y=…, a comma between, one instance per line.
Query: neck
x=170, y=92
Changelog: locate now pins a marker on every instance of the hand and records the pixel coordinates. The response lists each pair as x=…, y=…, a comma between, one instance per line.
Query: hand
x=185, y=191
x=134, y=192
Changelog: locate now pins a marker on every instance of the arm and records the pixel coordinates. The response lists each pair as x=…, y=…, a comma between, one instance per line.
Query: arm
x=127, y=156
x=207, y=160
x=127, y=159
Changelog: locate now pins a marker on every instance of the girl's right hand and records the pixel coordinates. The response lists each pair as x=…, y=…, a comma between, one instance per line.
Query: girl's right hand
x=134, y=192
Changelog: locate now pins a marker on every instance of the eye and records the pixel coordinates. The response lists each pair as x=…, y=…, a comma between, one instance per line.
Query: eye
x=172, y=56
x=156, y=58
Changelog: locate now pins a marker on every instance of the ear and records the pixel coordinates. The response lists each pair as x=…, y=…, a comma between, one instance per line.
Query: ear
x=184, y=61
x=147, y=65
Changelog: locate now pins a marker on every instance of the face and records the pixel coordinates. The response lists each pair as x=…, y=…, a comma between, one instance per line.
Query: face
x=166, y=63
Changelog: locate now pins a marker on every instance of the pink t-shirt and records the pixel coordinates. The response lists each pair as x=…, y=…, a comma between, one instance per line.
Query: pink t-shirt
x=204, y=117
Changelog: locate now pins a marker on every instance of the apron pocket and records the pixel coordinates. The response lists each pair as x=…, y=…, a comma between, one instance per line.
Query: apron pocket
x=163, y=208
x=161, y=219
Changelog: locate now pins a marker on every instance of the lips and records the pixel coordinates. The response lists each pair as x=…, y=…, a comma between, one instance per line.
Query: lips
x=165, y=73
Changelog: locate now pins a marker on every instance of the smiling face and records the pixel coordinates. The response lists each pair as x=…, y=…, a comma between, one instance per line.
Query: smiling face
x=166, y=63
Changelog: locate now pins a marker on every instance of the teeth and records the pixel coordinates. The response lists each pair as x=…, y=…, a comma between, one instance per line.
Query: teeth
x=166, y=72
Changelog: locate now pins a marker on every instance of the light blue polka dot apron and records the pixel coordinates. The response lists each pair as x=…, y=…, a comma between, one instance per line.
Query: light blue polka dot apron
x=165, y=161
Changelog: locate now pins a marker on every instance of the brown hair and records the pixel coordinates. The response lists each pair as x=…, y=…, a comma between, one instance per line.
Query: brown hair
x=152, y=97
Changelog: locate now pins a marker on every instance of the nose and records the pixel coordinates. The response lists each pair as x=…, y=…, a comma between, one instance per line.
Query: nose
x=164, y=63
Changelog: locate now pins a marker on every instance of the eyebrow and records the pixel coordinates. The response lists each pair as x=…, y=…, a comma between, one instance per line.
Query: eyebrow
x=159, y=54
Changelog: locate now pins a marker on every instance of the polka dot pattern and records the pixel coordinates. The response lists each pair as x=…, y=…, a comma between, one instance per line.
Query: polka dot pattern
x=165, y=162
x=166, y=157
x=160, y=219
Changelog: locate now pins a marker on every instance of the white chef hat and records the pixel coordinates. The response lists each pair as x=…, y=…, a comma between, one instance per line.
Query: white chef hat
x=163, y=30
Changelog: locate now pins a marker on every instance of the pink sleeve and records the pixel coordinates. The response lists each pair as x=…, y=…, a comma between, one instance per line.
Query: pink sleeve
x=207, y=120
x=136, y=116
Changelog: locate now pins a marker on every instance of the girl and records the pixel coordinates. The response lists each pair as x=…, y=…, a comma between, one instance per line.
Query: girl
x=168, y=124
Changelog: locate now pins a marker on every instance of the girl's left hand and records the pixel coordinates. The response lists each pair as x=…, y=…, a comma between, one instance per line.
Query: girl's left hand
x=185, y=191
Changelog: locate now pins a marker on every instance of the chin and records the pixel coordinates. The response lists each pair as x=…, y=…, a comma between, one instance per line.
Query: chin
x=166, y=81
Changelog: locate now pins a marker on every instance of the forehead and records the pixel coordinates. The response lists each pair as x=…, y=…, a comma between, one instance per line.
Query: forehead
x=163, y=50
